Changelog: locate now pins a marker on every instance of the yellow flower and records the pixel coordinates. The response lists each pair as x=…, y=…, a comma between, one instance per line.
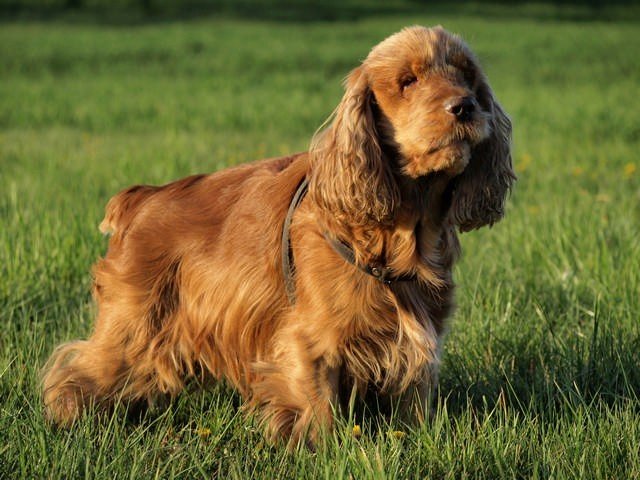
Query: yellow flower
x=524, y=162
x=397, y=434
x=357, y=431
x=203, y=432
x=629, y=169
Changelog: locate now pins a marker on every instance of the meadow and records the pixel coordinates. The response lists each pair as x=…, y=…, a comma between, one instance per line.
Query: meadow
x=540, y=374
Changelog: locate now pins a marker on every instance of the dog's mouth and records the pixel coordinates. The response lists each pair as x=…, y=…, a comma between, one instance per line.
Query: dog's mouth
x=458, y=154
x=449, y=157
x=472, y=131
x=450, y=153
x=451, y=146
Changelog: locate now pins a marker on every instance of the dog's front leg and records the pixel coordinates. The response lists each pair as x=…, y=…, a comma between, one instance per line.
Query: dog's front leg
x=414, y=404
x=318, y=392
x=297, y=392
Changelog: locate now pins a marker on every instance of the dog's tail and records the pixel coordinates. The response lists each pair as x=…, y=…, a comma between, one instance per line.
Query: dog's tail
x=123, y=207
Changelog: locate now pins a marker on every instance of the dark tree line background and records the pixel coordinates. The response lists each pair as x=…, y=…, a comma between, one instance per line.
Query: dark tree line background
x=316, y=10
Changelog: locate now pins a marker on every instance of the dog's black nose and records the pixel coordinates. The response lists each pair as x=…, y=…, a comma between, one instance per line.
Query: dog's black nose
x=461, y=107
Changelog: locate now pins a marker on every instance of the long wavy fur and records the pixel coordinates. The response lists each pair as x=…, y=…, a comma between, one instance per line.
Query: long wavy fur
x=349, y=176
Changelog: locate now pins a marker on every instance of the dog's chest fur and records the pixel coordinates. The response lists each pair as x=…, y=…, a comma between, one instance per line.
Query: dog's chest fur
x=394, y=334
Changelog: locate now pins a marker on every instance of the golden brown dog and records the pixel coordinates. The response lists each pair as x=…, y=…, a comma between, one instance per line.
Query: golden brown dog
x=193, y=283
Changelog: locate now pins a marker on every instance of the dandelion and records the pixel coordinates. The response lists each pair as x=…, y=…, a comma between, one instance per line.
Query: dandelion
x=357, y=431
x=533, y=209
x=524, y=162
x=629, y=169
x=203, y=432
x=397, y=434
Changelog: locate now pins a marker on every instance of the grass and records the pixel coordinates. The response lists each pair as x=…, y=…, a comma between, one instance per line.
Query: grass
x=540, y=376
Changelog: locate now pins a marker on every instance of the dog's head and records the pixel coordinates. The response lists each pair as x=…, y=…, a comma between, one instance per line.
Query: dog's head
x=419, y=104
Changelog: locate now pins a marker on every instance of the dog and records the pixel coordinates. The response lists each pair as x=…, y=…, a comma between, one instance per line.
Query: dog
x=306, y=280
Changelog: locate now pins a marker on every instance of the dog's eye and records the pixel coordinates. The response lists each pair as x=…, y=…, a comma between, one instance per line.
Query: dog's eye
x=407, y=81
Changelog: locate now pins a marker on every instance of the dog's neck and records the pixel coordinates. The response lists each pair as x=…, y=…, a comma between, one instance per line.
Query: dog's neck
x=429, y=197
x=415, y=229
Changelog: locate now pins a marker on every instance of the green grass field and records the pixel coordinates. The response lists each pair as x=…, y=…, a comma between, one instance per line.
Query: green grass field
x=541, y=373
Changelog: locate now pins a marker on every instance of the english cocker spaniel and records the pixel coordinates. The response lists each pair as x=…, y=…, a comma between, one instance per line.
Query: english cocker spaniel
x=306, y=280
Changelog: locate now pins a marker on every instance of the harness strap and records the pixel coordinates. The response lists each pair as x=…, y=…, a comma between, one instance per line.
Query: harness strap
x=288, y=268
x=380, y=272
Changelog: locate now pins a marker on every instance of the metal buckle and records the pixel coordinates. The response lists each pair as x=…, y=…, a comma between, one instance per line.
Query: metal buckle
x=382, y=274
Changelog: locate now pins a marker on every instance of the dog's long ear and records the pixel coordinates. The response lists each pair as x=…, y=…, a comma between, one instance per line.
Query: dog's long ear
x=480, y=191
x=349, y=177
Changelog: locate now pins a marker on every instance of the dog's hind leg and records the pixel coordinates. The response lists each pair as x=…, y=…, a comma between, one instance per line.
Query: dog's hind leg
x=78, y=374
x=131, y=354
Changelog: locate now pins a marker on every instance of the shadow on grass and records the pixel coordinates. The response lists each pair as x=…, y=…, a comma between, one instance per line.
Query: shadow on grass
x=542, y=373
x=132, y=12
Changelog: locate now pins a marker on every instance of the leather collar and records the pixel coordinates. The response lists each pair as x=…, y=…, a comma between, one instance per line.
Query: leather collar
x=378, y=271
